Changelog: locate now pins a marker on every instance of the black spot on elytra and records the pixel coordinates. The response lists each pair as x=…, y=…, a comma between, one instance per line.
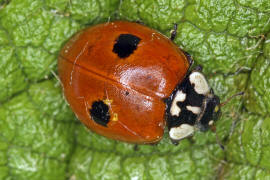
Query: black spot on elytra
x=100, y=113
x=125, y=45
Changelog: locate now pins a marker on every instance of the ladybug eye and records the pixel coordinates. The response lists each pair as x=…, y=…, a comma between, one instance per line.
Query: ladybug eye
x=125, y=45
x=217, y=109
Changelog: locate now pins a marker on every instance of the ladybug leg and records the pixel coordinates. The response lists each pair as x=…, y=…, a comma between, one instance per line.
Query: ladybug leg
x=136, y=147
x=139, y=22
x=174, y=142
x=174, y=31
x=190, y=60
x=198, y=68
x=173, y=35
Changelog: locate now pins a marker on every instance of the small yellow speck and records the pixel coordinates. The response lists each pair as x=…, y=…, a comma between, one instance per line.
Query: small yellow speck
x=115, y=117
x=216, y=108
x=108, y=101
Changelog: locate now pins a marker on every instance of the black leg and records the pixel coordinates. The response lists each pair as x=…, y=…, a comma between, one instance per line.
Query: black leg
x=190, y=60
x=198, y=68
x=136, y=147
x=173, y=32
x=139, y=22
x=174, y=142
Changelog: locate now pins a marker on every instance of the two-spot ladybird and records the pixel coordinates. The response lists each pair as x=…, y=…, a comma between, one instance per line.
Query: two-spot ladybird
x=126, y=81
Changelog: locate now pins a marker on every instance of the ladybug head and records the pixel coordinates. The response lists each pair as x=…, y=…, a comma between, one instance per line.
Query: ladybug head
x=192, y=105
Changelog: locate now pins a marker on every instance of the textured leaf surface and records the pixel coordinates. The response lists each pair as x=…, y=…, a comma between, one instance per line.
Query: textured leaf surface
x=41, y=139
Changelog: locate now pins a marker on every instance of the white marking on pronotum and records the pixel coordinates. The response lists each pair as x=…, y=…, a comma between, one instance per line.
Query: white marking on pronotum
x=75, y=61
x=200, y=83
x=181, y=132
x=180, y=96
x=194, y=109
x=211, y=123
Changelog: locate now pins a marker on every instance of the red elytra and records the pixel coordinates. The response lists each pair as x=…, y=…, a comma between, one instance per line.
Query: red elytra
x=115, y=77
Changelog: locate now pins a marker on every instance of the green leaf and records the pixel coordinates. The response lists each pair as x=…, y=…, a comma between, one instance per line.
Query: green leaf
x=40, y=138
x=258, y=91
x=12, y=78
x=266, y=48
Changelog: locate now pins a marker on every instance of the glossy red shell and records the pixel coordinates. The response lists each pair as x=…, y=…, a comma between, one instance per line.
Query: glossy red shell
x=133, y=87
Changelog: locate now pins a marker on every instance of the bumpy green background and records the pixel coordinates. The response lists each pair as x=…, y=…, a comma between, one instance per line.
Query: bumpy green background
x=41, y=139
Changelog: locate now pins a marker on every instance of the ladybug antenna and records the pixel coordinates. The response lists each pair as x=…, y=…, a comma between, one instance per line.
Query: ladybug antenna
x=219, y=142
x=230, y=98
x=213, y=129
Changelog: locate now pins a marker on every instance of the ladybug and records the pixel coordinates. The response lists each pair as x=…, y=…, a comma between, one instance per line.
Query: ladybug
x=126, y=81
